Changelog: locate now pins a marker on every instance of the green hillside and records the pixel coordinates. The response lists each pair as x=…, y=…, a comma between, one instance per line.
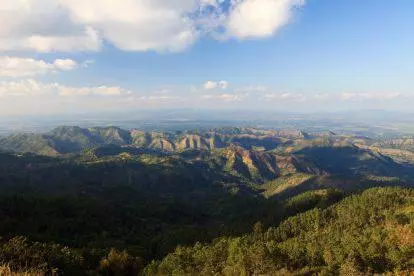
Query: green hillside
x=368, y=233
x=107, y=201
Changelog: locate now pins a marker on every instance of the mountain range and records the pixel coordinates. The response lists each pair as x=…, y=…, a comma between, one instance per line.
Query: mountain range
x=246, y=155
x=83, y=194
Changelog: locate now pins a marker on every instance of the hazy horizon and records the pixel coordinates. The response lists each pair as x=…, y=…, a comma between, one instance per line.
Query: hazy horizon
x=370, y=123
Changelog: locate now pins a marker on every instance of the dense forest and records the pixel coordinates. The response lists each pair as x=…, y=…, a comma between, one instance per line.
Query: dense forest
x=365, y=233
x=105, y=201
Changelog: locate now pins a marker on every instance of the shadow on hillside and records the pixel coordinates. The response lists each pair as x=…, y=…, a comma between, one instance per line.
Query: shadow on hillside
x=147, y=209
x=349, y=169
x=352, y=161
x=337, y=182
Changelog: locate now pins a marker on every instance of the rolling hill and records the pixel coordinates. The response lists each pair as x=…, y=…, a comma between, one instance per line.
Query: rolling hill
x=93, y=189
x=246, y=154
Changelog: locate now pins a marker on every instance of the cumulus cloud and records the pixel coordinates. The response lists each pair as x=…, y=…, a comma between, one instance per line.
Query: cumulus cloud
x=88, y=91
x=28, y=87
x=26, y=96
x=134, y=25
x=65, y=64
x=223, y=84
x=226, y=97
x=78, y=25
x=369, y=96
x=260, y=18
x=138, y=25
x=42, y=26
x=294, y=97
x=27, y=67
x=33, y=88
x=209, y=85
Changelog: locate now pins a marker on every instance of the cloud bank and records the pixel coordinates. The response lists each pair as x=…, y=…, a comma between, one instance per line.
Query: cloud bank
x=16, y=67
x=35, y=89
x=135, y=25
x=209, y=85
x=30, y=96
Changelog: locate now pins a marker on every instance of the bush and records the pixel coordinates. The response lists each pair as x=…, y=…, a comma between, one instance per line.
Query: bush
x=120, y=263
x=20, y=255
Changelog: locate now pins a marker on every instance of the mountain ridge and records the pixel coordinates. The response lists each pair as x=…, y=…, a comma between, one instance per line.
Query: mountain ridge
x=246, y=155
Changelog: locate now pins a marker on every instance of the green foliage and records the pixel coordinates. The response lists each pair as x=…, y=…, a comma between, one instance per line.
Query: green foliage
x=120, y=264
x=35, y=258
x=6, y=270
x=370, y=232
x=362, y=234
x=312, y=199
x=20, y=255
x=24, y=143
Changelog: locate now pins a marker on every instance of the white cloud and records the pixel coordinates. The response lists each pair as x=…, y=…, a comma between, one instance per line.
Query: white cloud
x=88, y=91
x=65, y=64
x=33, y=88
x=260, y=18
x=86, y=41
x=134, y=25
x=209, y=85
x=138, y=25
x=223, y=84
x=294, y=97
x=287, y=96
x=28, y=87
x=42, y=26
x=213, y=3
x=370, y=96
x=78, y=25
x=223, y=97
x=27, y=67
x=28, y=96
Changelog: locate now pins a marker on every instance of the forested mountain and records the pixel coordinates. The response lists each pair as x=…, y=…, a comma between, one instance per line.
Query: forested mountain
x=75, y=139
x=101, y=191
x=363, y=234
x=251, y=155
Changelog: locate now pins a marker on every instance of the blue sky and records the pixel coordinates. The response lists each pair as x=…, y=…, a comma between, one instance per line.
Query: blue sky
x=282, y=55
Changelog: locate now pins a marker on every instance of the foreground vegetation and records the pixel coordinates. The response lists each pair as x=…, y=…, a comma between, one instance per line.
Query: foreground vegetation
x=371, y=232
x=368, y=233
